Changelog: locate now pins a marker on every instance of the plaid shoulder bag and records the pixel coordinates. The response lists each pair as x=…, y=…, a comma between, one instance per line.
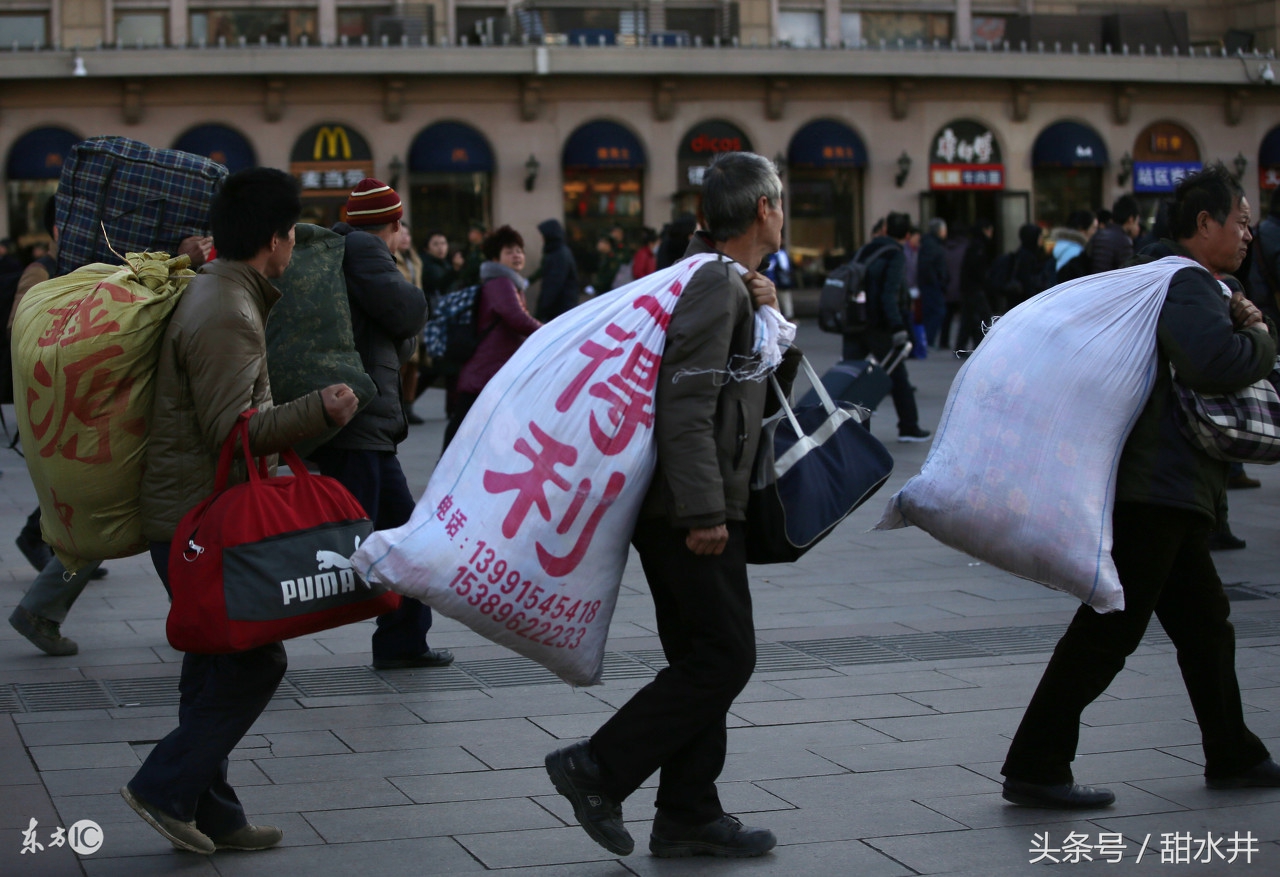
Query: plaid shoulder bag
x=1239, y=427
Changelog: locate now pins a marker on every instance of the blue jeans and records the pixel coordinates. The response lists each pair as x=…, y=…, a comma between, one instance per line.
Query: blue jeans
x=377, y=482
x=221, y=697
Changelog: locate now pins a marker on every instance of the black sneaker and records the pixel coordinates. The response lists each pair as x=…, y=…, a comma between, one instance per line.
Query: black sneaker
x=915, y=434
x=34, y=549
x=725, y=837
x=1263, y=775
x=576, y=775
x=1060, y=796
x=429, y=658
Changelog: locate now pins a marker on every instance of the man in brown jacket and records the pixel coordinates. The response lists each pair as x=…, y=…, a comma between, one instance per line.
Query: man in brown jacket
x=213, y=367
x=691, y=541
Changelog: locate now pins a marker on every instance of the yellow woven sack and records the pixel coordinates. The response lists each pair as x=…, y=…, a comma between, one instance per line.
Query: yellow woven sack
x=85, y=347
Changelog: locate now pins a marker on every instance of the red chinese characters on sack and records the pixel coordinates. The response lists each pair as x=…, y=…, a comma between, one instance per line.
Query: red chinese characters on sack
x=92, y=396
x=86, y=318
x=625, y=408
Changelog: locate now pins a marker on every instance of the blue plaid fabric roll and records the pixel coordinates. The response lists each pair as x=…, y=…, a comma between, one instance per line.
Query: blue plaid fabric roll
x=146, y=200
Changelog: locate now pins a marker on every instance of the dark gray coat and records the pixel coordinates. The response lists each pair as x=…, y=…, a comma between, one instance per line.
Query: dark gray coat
x=387, y=311
x=558, y=271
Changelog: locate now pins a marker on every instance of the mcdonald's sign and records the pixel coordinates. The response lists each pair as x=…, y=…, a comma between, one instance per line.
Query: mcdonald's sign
x=330, y=142
x=331, y=138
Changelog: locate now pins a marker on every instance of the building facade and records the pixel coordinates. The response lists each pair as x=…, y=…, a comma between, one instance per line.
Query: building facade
x=606, y=115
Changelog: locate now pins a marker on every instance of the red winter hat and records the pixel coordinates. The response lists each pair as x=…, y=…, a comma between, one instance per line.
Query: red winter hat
x=373, y=202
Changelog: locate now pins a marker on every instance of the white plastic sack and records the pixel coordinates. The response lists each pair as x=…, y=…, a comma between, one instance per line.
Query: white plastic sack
x=523, y=531
x=1022, y=472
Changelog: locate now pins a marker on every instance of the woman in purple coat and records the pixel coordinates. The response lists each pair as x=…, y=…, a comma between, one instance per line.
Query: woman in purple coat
x=502, y=319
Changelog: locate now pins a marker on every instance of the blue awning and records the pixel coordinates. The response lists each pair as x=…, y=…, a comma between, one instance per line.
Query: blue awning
x=1269, y=151
x=450, y=147
x=227, y=146
x=1069, y=144
x=603, y=145
x=826, y=143
x=38, y=154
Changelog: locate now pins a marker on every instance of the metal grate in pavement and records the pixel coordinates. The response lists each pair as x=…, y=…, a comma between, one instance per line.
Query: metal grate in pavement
x=1011, y=640
x=9, y=702
x=338, y=681
x=620, y=665
x=80, y=695
x=156, y=691
x=847, y=651
x=928, y=646
x=655, y=658
x=505, y=672
x=777, y=657
x=286, y=689
x=430, y=679
x=1247, y=627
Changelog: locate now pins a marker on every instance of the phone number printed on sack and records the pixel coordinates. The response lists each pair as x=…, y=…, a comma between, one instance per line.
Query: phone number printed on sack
x=498, y=591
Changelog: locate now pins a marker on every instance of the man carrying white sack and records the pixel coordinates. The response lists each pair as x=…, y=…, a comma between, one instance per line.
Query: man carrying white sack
x=709, y=406
x=1167, y=494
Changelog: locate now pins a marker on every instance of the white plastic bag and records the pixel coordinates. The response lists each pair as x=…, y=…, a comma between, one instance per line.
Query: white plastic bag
x=523, y=531
x=1022, y=473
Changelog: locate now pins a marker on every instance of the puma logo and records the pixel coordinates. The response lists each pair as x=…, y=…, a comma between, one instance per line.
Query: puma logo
x=334, y=560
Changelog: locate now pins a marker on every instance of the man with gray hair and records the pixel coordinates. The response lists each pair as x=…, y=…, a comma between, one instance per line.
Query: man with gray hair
x=691, y=542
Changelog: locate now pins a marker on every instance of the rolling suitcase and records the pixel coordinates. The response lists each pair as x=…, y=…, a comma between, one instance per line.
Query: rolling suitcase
x=864, y=382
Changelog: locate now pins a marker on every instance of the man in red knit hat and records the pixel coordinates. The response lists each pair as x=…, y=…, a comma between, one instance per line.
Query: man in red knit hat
x=387, y=313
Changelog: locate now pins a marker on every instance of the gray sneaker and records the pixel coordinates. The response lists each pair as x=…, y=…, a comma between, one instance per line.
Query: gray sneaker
x=44, y=634
x=183, y=835
x=250, y=837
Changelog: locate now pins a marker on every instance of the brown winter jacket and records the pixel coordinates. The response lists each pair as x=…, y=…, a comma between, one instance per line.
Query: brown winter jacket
x=213, y=366
x=707, y=427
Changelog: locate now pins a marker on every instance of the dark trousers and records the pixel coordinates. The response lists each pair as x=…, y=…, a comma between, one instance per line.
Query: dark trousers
x=953, y=312
x=1162, y=555
x=904, y=395
x=676, y=723
x=461, y=405
x=221, y=696
x=377, y=482
x=974, y=312
x=933, y=307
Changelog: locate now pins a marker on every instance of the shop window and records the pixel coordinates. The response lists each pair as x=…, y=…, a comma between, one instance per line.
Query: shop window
x=1061, y=191
x=449, y=202
x=209, y=26
x=910, y=27
x=23, y=31
x=478, y=24
x=801, y=28
x=141, y=29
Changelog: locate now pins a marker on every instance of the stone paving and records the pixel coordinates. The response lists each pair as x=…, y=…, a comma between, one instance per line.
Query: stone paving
x=893, y=671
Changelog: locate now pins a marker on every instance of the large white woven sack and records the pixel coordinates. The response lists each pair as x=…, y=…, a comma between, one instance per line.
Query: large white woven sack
x=1022, y=472
x=523, y=531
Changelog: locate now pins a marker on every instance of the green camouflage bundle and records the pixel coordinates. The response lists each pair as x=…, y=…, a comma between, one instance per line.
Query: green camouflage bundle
x=310, y=343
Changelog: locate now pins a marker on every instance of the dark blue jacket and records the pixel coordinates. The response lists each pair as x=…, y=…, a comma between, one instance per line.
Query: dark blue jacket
x=559, y=273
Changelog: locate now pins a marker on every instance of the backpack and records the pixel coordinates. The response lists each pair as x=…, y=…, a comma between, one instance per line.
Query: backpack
x=842, y=304
x=450, y=336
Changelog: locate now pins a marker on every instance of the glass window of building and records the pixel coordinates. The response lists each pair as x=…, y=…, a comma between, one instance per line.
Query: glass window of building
x=801, y=28
x=32, y=170
x=851, y=28
x=825, y=165
x=23, y=31
x=362, y=21
x=987, y=29
x=450, y=181
x=603, y=165
x=477, y=24
x=700, y=144
x=704, y=22
x=1067, y=163
x=141, y=28
x=1163, y=153
x=211, y=26
x=909, y=27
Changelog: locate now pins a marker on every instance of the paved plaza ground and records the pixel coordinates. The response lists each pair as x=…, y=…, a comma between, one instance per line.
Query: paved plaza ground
x=892, y=672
